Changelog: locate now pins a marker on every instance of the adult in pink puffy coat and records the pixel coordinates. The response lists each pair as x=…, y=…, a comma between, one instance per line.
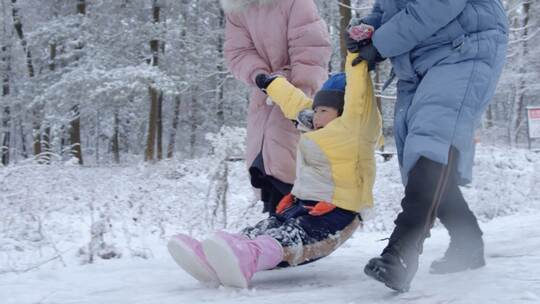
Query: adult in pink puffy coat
x=285, y=37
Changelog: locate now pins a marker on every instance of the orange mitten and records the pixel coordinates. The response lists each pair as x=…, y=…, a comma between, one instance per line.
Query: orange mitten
x=320, y=208
x=285, y=203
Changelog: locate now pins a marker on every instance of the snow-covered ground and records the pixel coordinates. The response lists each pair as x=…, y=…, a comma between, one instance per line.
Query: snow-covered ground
x=511, y=276
x=98, y=234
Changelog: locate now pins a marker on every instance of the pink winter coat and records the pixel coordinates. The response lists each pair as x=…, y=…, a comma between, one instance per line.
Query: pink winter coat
x=285, y=37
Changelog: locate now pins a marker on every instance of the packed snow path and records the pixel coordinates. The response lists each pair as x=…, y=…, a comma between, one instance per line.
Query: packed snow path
x=512, y=275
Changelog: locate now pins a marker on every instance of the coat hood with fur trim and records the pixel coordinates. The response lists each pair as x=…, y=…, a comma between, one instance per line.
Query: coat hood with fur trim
x=240, y=5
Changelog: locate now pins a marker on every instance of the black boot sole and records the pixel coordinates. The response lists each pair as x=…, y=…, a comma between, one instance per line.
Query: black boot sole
x=373, y=272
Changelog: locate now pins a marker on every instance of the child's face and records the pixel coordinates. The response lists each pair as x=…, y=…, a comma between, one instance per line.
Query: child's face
x=323, y=115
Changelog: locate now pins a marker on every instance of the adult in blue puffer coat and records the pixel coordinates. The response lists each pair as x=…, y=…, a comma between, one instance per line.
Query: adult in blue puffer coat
x=448, y=56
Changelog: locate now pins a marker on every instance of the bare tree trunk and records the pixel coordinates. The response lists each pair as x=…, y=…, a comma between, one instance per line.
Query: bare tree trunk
x=36, y=115
x=174, y=130
x=225, y=190
x=6, y=117
x=44, y=138
x=124, y=136
x=518, y=110
x=17, y=23
x=489, y=116
x=154, y=93
x=115, y=139
x=159, y=123
x=63, y=141
x=345, y=13
x=193, y=120
x=75, y=123
x=178, y=98
x=81, y=7
x=522, y=89
x=152, y=123
x=75, y=134
x=36, y=133
x=45, y=143
x=6, y=149
x=98, y=131
x=24, y=150
x=220, y=115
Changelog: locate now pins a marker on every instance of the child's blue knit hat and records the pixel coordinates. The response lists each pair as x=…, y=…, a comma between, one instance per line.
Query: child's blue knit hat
x=332, y=93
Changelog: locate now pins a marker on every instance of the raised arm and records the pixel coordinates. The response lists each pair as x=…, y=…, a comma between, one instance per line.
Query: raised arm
x=290, y=99
x=360, y=107
x=242, y=58
x=416, y=22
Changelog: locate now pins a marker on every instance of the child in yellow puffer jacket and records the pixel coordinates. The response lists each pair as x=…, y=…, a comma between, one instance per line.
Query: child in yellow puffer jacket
x=336, y=162
x=335, y=173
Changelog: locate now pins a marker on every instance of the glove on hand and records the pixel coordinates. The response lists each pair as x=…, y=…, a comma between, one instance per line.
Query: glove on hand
x=304, y=121
x=360, y=32
x=321, y=208
x=263, y=81
x=285, y=203
x=357, y=35
x=370, y=54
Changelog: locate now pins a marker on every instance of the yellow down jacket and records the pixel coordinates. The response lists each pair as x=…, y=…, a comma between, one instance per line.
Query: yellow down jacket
x=336, y=163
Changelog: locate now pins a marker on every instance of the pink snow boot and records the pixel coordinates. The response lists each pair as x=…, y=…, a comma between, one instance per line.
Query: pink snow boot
x=187, y=253
x=236, y=258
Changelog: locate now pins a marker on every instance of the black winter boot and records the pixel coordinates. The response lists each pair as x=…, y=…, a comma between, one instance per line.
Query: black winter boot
x=466, y=250
x=396, y=266
x=398, y=263
x=460, y=256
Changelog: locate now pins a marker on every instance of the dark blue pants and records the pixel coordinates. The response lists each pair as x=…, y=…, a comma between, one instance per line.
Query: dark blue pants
x=432, y=191
x=272, y=189
x=304, y=237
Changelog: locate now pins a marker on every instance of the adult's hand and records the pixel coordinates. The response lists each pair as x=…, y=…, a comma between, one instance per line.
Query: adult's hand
x=370, y=54
x=358, y=34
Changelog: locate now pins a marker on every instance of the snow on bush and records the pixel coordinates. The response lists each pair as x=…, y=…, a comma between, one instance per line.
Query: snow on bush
x=63, y=214
x=505, y=181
